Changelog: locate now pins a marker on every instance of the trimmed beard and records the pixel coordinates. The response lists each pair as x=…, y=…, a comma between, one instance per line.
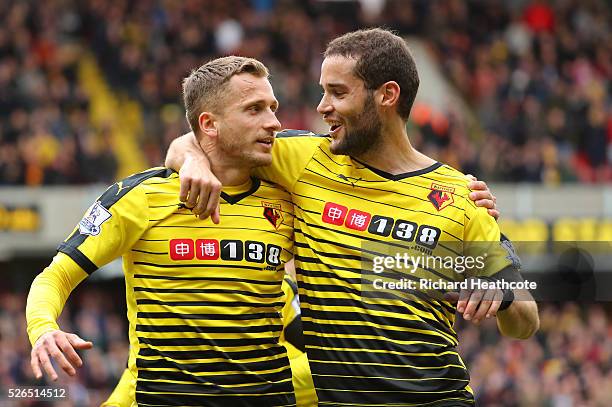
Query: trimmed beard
x=240, y=154
x=364, y=135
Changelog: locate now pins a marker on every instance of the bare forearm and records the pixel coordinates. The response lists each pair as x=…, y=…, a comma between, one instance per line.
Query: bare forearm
x=520, y=320
x=200, y=188
x=181, y=148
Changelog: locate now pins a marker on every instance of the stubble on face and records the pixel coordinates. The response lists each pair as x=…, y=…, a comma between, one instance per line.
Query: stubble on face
x=233, y=145
x=362, y=133
x=235, y=134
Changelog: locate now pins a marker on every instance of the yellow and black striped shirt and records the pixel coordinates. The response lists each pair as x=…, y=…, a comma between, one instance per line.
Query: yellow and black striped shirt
x=293, y=339
x=204, y=300
x=369, y=348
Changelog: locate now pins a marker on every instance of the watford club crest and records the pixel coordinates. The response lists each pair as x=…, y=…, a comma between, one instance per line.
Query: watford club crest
x=273, y=213
x=441, y=196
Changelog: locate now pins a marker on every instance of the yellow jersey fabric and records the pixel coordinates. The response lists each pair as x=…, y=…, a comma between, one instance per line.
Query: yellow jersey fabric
x=123, y=394
x=293, y=339
x=204, y=300
x=365, y=347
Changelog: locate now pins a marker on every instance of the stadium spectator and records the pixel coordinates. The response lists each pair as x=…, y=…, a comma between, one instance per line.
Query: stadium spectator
x=94, y=314
x=536, y=76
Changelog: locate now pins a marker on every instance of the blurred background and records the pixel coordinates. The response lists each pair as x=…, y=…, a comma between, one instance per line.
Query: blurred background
x=515, y=92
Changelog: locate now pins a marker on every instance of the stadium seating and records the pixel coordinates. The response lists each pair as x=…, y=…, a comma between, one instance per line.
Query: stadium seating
x=90, y=91
x=535, y=76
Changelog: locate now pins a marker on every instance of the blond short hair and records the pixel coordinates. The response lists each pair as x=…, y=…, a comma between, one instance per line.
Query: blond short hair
x=203, y=88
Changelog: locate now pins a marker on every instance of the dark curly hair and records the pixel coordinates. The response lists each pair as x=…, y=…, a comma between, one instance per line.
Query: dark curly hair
x=381, y=57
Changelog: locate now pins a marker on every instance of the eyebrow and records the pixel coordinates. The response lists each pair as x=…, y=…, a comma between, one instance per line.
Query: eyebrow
x=259, y=102
x=335, y=85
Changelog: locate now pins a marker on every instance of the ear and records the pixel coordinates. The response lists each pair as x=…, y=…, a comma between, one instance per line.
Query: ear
x=389, y=93
x=208, y=124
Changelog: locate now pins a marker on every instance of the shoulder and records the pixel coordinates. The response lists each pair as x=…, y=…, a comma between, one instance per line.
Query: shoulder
x=301, y=138
x=152, y=176
x=140, y=181
x=449, y=179
x=272, y=191
x=290, y=133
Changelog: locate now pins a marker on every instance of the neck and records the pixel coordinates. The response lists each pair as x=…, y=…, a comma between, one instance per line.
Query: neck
x=229, y=176
x=226, y=171
x=394, y=153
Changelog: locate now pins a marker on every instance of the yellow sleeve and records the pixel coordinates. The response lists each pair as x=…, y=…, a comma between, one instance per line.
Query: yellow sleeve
x=305, y=394
x=292, y=151
x=482, y=240
x=49, y=293
x=109, y=227
x=292, y=340
x=291, y=336
x=124, y=393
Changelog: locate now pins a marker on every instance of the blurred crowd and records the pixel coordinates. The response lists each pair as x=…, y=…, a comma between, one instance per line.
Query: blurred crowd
x=93, y=313
x=45, y=133
x=567, y=364
x=535, y=75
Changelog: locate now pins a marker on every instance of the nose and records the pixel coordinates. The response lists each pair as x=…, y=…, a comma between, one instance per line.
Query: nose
x=272, y=123
x=324, y=106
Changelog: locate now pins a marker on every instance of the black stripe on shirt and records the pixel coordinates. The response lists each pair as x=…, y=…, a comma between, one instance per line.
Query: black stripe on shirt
x=110, y=197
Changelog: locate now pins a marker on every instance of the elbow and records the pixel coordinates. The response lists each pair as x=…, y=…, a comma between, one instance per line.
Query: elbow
x=525, y=331
x=522, y=322
x=531, y=328
x=534, y=320
x=536, y=324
